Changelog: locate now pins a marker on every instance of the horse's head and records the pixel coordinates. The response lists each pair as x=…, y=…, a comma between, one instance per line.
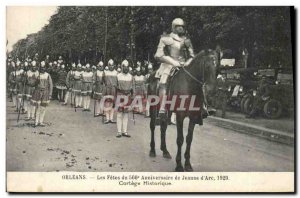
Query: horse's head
x=204, y=66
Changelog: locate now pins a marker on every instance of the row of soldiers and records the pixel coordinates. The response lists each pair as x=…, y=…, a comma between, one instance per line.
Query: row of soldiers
x=32, y=85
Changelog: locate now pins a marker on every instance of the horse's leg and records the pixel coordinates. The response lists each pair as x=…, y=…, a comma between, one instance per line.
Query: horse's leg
x=179, y=123
x=163, y=146
x=189, y=137
x=152, y=128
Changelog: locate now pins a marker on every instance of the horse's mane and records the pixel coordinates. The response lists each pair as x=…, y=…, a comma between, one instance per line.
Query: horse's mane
x=199, y=57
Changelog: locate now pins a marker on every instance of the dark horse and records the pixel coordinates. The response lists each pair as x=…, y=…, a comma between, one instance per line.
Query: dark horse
x=188, y=81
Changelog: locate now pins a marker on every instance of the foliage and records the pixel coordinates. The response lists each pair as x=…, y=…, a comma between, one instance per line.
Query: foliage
x=78, y=33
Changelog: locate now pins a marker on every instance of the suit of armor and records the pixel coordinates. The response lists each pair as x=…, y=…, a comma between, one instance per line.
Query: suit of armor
x=174, y=49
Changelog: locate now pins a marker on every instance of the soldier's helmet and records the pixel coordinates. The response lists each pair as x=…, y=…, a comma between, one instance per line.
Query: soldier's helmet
x=150, y=66
x=33, y=63
x=43, y=64
x=110, y=62
x=100, y=64
x=177, y=21
x=125, y=63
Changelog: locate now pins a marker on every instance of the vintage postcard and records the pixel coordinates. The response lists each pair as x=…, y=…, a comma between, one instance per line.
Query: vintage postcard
x=150, y=99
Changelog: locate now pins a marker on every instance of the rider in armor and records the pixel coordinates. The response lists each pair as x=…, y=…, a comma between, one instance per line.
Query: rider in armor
x=174, y=50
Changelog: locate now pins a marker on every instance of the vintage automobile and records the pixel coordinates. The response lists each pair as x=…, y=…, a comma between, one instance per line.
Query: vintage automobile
x=281, y=93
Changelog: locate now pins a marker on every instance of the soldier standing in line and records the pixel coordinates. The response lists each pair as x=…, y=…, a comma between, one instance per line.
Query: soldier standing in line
x=54, y=76
x=70, y=84
x=110, y=91
x=98, y=80
x=61, y=83
x=87, y=87
x=19, y=84
x=124, y=91
x=77, y=85
x=150, y=70
x=139, y=89
x=23, y=91
x=42, y=94
x=31, y=78
x=13, y=84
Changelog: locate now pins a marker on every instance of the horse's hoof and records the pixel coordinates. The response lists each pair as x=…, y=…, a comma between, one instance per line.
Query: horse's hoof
x=179, y=169
x=188, y=167
x=167, y=155
x=152, y=154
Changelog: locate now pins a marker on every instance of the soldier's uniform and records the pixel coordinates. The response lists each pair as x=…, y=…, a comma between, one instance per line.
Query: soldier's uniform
x=98, y=80
x=61, y=83
x=70, y=84
x=54, y=76
x=173, y=50
x=124, y=90
x=42, y=94
x=20, y=84
x=13, y=84
x=77, y=86
x=150, y=70
x=139, y=89
x=87, y=87
x=31, y=78
x=110, y=91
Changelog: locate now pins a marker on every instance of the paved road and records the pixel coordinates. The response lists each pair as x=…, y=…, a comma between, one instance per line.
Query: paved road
x=79, y=142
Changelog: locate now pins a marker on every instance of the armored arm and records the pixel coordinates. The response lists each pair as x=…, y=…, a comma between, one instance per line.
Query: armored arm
x=190, y=52
x=160, y=54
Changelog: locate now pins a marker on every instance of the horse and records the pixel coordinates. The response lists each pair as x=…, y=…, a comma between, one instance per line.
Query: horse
x=197, y=79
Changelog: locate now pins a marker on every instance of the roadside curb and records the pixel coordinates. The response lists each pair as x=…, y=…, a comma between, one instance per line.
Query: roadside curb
x=270, y=134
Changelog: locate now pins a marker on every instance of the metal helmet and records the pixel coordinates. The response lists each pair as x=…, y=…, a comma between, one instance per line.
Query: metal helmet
x=125, y=63
x=33, y=63
x=110, y=62
x=100, y=64
x=177, y=21
x=150, y=66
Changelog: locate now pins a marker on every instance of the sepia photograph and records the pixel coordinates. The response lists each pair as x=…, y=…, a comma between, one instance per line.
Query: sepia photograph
x=150, y=99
